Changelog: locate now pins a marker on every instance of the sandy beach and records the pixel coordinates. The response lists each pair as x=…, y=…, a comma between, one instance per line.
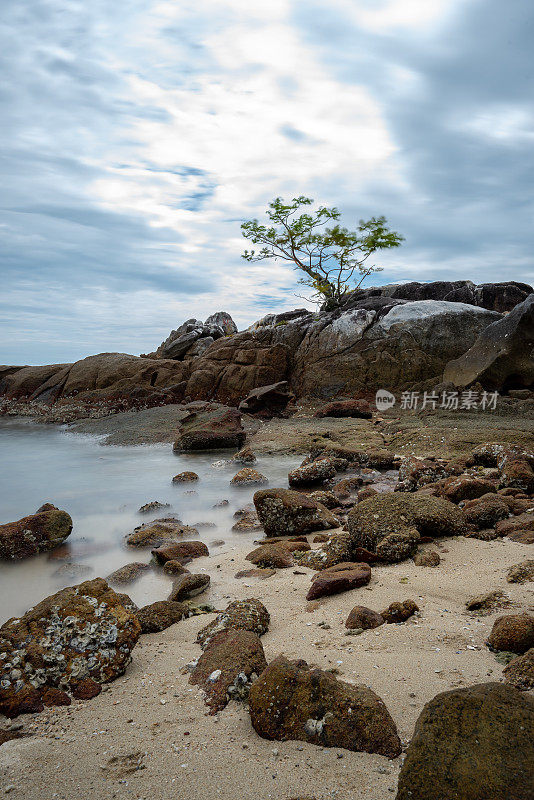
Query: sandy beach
x=149, y=734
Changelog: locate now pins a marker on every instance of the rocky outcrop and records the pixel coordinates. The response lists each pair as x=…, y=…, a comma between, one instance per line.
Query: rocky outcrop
x=503, y=354
x=292, y=701
x=385, y=337
x=472, y=744
x=191, y=338
x=286, y=512
x=84, y=633
x=37, y=533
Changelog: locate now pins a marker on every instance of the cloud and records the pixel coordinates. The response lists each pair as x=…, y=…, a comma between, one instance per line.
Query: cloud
x=134, y=144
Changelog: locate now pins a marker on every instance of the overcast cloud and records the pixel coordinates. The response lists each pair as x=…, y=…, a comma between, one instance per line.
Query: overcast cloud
x=137, y=136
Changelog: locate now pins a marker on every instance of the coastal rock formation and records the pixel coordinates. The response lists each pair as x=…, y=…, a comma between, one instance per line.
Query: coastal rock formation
x=193, y=337
x=317, y=472
x=472, y=744
x=502, y=355
x=292, y=701
x=267, y=401
x=37, y=533
x=500, y=297
x=82, y=633
x=159, y=532
x=376, y=339
x=286, y=512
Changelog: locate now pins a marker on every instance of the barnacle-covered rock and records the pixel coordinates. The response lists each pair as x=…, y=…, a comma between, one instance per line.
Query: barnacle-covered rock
x=36, y=533
x=82, y=632
x=286, y=512
x=248, y=477
x=318, y=471
x=158, y=532
x=228, y=665
x=247, y=615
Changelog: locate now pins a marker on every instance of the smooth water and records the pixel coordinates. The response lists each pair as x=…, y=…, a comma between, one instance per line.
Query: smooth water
x=102, y=489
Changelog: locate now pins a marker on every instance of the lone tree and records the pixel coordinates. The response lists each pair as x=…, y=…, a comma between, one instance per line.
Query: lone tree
x=332, y=258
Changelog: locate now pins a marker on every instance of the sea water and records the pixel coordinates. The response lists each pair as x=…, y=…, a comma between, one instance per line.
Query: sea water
x=102, y=488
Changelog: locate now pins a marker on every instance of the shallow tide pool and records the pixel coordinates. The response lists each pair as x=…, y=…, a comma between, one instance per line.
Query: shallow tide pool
x=102, y=489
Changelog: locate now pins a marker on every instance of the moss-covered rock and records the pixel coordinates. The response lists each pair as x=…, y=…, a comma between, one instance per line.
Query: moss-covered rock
x=390, y=525
x=160, y=615
x=513, y=633
x=34, y=534
x=291, y=701
x=472, y=744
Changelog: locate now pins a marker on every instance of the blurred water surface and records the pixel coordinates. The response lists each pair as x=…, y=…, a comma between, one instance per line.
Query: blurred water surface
x=102, y=489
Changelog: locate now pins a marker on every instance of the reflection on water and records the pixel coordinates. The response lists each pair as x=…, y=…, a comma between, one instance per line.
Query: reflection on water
x=102, y=488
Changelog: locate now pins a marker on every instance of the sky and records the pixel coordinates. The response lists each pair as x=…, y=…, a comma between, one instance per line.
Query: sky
x=137, y=136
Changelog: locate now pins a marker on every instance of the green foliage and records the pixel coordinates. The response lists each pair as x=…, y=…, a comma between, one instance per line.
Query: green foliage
x=331, y=257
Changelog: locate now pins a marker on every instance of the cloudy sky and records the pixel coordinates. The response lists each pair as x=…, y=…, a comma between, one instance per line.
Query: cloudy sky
x=137, y=135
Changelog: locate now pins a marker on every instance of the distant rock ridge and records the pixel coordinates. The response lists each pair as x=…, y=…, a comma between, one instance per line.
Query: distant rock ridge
x=390, y=337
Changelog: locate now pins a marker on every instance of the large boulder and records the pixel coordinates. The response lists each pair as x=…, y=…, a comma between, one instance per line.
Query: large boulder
x=284, y=512
x=34, y=534
x=292, y=701
x=217, y=428
x=472, y=744
x=503, y=354
x=360, y=351
x=391, y=525
x=84, y=633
